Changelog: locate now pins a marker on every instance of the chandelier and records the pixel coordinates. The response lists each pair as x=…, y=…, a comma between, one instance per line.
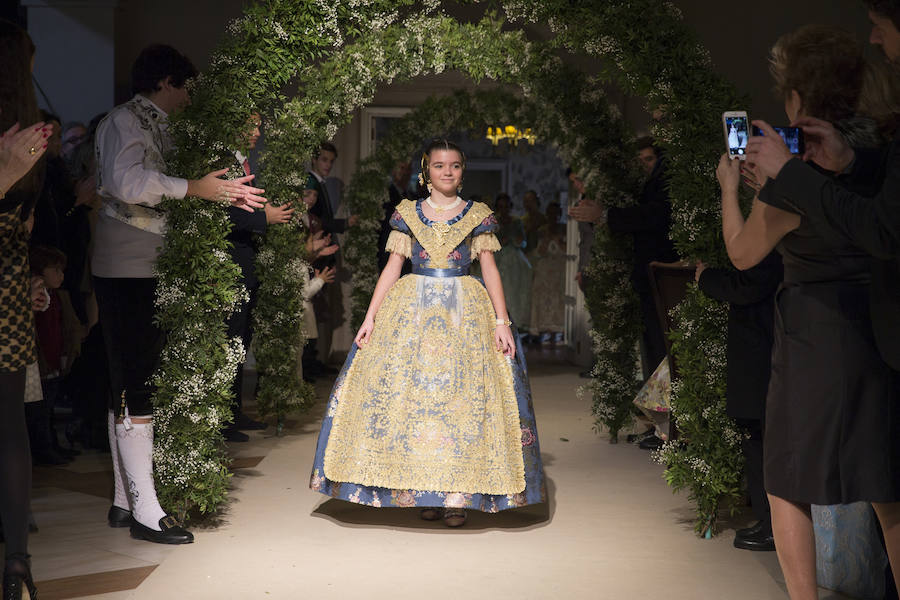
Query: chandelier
x=511, y=133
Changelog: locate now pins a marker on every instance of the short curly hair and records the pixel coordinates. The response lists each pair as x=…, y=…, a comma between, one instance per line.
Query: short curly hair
x=157, y=62
x=825, y=65
x=886, y=8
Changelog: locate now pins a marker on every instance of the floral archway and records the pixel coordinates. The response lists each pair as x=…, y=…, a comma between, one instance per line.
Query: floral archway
x=337, y=52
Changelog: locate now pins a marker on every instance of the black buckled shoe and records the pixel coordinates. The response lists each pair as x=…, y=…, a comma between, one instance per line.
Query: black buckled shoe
x=17, y=581
x=118, y=517
x=172, y=532
x=753, y=529
x=650, y=443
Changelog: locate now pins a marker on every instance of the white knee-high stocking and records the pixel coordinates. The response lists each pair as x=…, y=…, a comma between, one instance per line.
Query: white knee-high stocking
x=120, y=494
x=136, y=452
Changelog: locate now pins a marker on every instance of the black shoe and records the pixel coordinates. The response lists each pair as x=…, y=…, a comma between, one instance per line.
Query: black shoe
x=650, y=443
x=17, y=578
x=761, y=541
x=754, y=529
x=233, y=435
x=172, y=532
x=118, y=517
x=636, y=438
x=246, y=423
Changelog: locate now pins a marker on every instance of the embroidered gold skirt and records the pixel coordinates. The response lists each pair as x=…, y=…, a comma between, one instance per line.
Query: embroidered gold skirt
x=429, y=413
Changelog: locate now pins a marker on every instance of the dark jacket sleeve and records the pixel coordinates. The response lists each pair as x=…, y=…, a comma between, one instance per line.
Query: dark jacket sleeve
x=743, y=287
x=653, y=214
x=838, y=214
x=250, y=222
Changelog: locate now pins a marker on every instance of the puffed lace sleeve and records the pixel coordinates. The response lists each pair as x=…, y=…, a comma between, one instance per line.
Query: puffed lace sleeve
x=484, y=237
x=399, y=241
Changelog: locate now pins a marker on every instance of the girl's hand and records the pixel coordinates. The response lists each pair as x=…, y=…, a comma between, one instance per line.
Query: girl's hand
x=729, y=174
x=364, y=333
x=40, y=299
x=503, y=337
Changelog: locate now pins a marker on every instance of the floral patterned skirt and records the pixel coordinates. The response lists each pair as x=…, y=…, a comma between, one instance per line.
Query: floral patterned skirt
x=429, y=414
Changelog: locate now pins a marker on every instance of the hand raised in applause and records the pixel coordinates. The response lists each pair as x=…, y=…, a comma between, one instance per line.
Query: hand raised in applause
x=701, y=266
x=587, y=211
x=278, y=214
x=212, y=187
x=20, y=149
x=326, y=274
x=40, y=298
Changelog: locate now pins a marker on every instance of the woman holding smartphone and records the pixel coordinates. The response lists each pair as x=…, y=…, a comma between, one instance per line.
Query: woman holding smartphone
x=832, y=431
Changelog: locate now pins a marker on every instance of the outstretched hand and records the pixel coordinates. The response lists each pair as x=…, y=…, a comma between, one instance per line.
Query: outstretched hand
x=503, y=338
x=278, y=214
x=212, y=187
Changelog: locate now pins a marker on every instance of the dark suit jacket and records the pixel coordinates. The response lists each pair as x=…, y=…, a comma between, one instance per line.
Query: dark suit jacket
x=872, y=224
x=243, y=247
x=394, y=197
x=751, y=309
x=322, y=209
x=649, y=222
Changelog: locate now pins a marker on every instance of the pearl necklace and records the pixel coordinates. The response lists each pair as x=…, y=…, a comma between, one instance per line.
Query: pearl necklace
x=439, y=209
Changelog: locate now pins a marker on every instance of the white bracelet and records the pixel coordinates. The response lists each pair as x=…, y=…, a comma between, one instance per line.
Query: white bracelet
x=506, y=322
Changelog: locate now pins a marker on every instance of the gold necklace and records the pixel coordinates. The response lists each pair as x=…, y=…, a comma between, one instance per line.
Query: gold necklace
x=439, y=208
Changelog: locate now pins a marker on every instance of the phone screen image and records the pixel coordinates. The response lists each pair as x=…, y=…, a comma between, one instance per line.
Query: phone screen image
x=792, y=136
x=738, y=131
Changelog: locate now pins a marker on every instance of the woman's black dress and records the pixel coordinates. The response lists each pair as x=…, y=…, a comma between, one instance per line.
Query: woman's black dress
x=832, y=428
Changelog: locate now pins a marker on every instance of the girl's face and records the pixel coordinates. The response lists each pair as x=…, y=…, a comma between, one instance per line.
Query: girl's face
x=53, y=277
x=445, y=171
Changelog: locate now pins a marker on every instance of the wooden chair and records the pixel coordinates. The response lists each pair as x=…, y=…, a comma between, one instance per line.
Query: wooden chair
x=669, y=283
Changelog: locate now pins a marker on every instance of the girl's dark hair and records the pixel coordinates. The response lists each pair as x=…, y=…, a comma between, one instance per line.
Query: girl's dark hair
x=44, y=257
x=825, y=64
x=439, y=144
x=17, y=101
x=157, y=62
x=886, y=8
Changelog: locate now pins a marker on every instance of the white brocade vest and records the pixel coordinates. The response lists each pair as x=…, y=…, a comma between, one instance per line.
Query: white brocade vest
x=156, y=143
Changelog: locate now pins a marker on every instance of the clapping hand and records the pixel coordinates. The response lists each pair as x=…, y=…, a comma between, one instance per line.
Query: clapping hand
x=587, y=211
x=212, y=187
x=326, y=274
x=19, y=150
x=278, y=214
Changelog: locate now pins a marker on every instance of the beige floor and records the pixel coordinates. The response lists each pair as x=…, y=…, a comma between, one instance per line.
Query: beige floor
x=612, y=530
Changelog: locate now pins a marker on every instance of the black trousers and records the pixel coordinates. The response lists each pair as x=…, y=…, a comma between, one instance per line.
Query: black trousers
x=15, y=462
x=752, y=447
x=653, y=344
x=241, y=325
x=133, y=341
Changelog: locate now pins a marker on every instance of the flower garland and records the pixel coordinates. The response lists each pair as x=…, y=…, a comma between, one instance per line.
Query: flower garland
x=339, y=50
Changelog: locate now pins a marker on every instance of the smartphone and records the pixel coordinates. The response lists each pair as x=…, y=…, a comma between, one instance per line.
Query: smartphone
x=792, y=136
x=737, y=132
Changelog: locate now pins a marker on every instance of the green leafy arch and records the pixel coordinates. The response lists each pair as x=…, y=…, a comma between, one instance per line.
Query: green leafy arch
x=331, y=48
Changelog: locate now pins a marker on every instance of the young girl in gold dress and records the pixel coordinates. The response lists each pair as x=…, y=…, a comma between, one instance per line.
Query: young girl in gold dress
x=432, y=408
